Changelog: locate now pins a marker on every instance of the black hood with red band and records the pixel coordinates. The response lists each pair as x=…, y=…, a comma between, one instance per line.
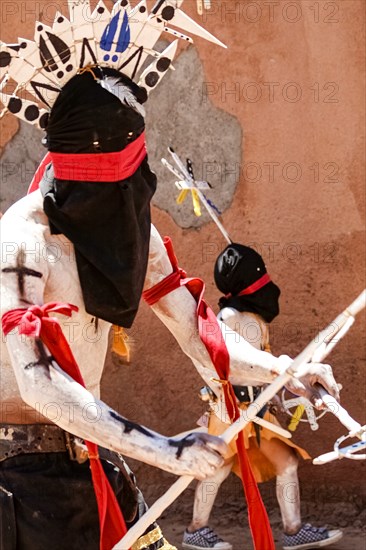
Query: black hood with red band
x=237, y=268
x=87, y=118
x=107, y=221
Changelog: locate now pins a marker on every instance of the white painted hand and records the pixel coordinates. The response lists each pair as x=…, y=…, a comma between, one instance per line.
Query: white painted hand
x=198, y=454
x=282, y=363
x=306, y=386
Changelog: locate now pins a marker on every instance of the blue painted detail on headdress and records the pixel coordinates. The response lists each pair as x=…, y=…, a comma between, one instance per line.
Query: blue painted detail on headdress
x=110, y=32
x=124, y=35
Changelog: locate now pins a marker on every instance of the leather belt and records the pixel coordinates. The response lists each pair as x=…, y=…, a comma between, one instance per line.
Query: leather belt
x=18, y=439
x=247, y=394
x=21, y=439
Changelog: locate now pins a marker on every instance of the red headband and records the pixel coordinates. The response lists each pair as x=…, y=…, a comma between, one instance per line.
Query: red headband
x=264, y=280
x=108, y=167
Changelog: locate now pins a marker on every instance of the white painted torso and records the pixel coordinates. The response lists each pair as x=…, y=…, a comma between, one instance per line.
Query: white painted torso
x=52, y=255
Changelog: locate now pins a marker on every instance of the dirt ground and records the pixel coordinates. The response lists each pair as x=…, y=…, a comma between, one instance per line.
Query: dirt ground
x=329, y=506
x=353, y=539
x=233, y=527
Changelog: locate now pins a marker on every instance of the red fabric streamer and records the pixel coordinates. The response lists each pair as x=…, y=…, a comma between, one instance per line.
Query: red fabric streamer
x=35, y=321
x=213, y=340
x=109, y=167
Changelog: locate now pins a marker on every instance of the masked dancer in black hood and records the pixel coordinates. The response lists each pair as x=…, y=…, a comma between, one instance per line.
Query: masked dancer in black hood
x=249, y=303
x=82, y=243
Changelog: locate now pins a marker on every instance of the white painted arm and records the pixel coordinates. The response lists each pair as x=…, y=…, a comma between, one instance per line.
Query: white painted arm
x=177, y=310
x=44, y=386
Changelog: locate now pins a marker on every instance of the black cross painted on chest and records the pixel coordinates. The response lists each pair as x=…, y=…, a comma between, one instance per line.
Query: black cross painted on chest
x=22, y=271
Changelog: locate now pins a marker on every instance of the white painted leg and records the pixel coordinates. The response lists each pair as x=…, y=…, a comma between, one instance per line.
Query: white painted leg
x=288, y=497
x=205, y=495
x=285, y=462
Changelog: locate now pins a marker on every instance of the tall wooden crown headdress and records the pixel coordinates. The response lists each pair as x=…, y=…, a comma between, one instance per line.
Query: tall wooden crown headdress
x=121, y=39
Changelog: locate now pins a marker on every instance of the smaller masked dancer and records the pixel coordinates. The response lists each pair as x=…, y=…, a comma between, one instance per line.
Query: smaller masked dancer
x=249, y=305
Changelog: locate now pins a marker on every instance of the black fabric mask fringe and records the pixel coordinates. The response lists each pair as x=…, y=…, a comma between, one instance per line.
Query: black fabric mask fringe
x=107, y=222
x=238, y=267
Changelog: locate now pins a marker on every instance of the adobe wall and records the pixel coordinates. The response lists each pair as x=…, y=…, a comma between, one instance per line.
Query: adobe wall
x=276, y=123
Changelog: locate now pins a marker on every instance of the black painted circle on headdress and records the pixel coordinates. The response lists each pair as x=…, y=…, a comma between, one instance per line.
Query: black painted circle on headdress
x=237, y=268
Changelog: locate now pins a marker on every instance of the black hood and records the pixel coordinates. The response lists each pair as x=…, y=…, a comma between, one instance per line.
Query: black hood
x=87, y=118
x=237, y=268
x=107, y=222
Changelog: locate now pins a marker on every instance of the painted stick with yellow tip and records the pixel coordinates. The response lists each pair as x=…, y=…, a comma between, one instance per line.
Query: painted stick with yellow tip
x=182, y=196
x=185, y=177
x=296, y=417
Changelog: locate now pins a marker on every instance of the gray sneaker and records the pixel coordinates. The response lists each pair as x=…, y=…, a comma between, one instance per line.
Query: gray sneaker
x=311, y=537
x=204, y=538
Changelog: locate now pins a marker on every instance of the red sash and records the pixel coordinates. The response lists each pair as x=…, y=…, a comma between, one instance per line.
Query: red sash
x=213, y=340
x=35, y=321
